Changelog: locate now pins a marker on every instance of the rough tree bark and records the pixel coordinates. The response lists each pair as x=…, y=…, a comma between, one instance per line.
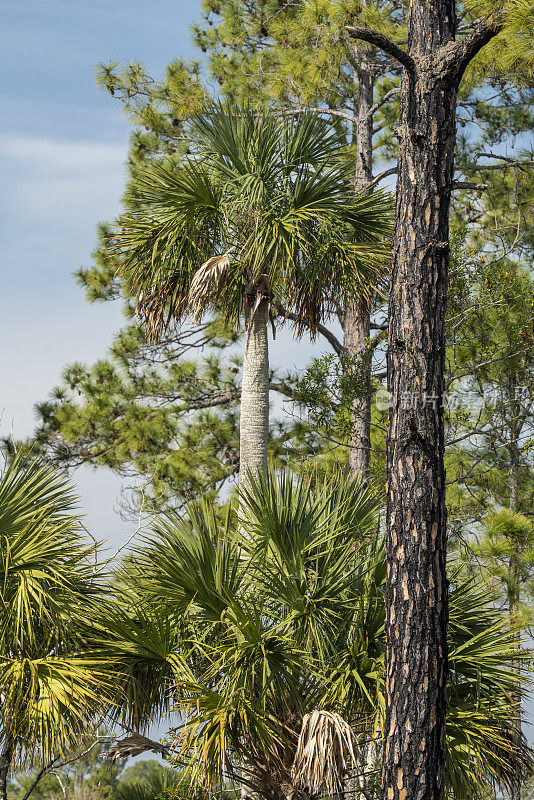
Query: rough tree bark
x=6, y=757
x=414, y=749
x=254, y=421
x=356, y=317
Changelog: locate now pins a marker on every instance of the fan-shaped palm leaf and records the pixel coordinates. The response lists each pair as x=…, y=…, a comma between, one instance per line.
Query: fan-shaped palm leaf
x=274, y=192
x=263, y=629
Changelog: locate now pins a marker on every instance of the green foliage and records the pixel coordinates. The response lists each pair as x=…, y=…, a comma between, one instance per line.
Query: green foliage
x=81, y=775
x=48, y=585
x=155, y=411
x=491, y=381
x=253, y=622
x=143, y=770
x=508, y=549
x=153, y=782
x=269, y=193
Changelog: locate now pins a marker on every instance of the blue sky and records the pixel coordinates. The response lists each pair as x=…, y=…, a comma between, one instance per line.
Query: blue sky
x=62, y=148
x=63, y=144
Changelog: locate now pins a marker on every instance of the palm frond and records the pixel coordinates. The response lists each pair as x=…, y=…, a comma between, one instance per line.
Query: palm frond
x=134, y=745
x=244, y=636
x=49, y=703
x=208, y=284
x=325, y=747
x=277, y=191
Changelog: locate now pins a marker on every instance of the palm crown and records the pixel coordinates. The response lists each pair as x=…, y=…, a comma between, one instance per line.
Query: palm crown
x=271, y=200
x=245, y=637
x=262, y=208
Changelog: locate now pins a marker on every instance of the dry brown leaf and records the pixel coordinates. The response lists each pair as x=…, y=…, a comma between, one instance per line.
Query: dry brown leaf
x=207, y=284
x=325, y=744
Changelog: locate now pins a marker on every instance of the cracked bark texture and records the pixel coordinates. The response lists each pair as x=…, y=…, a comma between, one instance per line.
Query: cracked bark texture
x=414, y=754
x=6, y=758
x=254, y=419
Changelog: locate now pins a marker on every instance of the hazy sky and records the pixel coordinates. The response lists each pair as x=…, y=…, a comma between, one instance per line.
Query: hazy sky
x=62, y=148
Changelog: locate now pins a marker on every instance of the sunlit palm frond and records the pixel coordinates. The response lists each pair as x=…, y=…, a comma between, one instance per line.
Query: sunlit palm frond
x=49, y=703
x=47, y=569
x=49, y=587
x=482, y=741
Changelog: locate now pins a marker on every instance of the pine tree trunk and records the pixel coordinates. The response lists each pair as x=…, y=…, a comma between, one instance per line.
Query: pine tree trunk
x=414, y=746
x=356, y=328
x=414, y=754
x=254, y=423
x=6, y=757
x=356, y=318
x=515, y=788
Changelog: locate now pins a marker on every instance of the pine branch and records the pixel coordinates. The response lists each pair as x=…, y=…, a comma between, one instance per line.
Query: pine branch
x=505, y=165
x=322, y=329
x=379, y=103
x=318, y=110
x=466, y=185
x=380, y=177
x=464, y=51
x=385, y=44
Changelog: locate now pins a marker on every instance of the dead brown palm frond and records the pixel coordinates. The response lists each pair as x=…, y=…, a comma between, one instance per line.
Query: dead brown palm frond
x=134, y=745
x=207, y=284
x=324, y=747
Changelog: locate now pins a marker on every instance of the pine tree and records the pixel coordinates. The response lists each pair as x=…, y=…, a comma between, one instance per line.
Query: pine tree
x=492, y=367
x=298, y=56
x=417, y=609
x=301, y=59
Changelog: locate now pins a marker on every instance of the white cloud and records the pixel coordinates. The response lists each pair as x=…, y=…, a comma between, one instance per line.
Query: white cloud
x=61, y=155
x=68, y=181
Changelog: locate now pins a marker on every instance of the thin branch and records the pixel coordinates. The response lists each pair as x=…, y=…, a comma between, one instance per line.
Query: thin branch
x=52, y=767
x=322, y=329
x=385, y=44
x=479, y=187
x=317, y=110
x=379, y=103
x=496, y=155
x=381, y=176
x=42, y=772
x=463, y=52
x=504, y=165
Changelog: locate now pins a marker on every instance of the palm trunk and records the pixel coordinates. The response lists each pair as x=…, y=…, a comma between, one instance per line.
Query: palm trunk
x=254, y=423
x=6, y=757
x=356, y=318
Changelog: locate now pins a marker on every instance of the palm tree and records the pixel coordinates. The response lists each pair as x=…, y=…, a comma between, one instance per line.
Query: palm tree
x=261, y=209
x=47, y=586
x=270, y=647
